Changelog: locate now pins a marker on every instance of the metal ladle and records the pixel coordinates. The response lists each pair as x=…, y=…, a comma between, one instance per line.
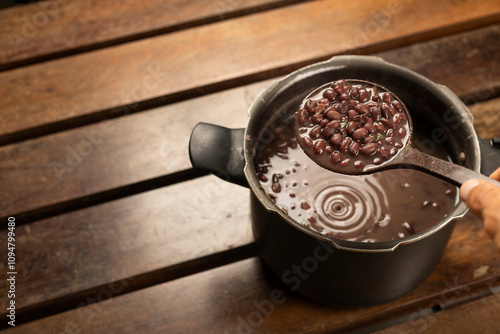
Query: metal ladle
x=407, y=156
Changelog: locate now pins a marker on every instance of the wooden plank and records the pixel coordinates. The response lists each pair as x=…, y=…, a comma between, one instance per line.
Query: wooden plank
x=158, y=232
x=479, y=316
x=245, y=297
x=137, y=75
x=63, y=166
x=53, y=171
x=47, y=29
x=453, y=62
x=487, y=118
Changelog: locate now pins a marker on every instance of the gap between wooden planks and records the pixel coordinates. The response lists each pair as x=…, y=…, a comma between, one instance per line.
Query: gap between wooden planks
x=122, y=231
x=150, y=72
x=220, y=297
x=478, y=316
x=49, y=171
x=50, y=29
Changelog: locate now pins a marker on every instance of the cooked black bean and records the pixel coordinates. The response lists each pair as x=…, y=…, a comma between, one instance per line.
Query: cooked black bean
x=324, y=122
x=315, y=132
x=335, y=157
x=319, y=108
x=409, y=226
x=324, y=101
x=363, y=120
x=369, y=149
x=362, y=108
x=339, y=89
x=336, y=139
x=311, y=105
x=349, y=117
x=302, y=116
x=344, y=145
x=389, y=140
x=319, y=147
x=354, y=148
x=369, y=139
x=328, y=132
x=351, y=126
x=351, y=113
x=370, y=127
x=364, y=95
x=345, y=162
x=376, y=115
x=343, y=107
x=359, y=134
x=308, y=141
x=384, y=151
x=397, y=106
x=329, y=94
x=354, y=93
x=358, y=163
x=333, y=114
x=380, y=128
x=398, y=118
x=386, y=110
x=386, y=97
x=317, y=118
x=388, y=123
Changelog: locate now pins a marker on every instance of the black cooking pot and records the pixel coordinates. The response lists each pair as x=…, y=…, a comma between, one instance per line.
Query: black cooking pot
x=324, y=268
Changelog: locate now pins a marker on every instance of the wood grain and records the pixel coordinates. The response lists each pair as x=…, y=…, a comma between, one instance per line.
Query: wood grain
x=158, y=232
x=48, y=29
x=487, y=118
x=230, y=298
x=98, y=157
x=479, y=316
x=180, y=258
x=141, y=74
x=465, y=63
x=112, y=153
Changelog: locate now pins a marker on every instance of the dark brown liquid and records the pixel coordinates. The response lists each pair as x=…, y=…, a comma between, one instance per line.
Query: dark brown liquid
x=382, y=206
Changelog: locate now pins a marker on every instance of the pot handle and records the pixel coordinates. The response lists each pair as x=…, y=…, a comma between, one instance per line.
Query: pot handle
x=490, y=154
x=219, y=150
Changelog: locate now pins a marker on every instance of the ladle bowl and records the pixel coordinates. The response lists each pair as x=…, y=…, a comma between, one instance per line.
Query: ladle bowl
x=355, y=127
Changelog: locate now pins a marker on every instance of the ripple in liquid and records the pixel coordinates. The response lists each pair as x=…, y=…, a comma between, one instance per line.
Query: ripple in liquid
x=351, y=207
x=347, y=207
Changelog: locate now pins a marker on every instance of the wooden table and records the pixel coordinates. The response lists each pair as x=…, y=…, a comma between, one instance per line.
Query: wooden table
x=116, y=233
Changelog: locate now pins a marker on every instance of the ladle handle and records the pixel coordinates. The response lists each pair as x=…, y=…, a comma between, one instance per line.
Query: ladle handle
x=443, y=169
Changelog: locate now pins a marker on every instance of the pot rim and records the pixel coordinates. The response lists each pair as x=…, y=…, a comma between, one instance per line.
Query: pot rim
x=338, y=62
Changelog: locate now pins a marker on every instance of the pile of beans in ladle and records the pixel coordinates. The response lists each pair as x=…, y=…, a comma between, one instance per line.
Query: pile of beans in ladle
x=351, y=124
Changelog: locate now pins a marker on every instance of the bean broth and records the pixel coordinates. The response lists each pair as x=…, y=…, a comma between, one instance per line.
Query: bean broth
x=382, y=206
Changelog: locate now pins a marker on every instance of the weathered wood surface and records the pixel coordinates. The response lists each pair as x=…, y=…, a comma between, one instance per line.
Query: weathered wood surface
x=61, y=166
x=487, y=118
x=246, y=294
x=162, y=253
x=33, y=32
x=156, y=233
x=118, y=80
x=479, y=316
x=125, y=150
